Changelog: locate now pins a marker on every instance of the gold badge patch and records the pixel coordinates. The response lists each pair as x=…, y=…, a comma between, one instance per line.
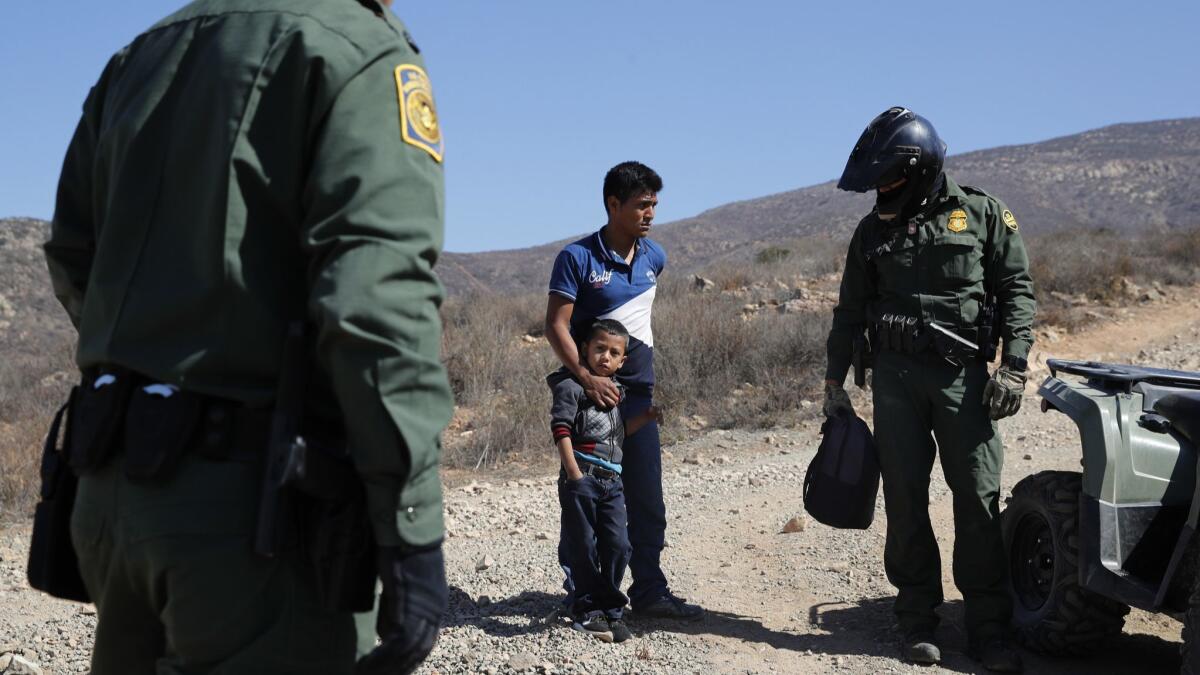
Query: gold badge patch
x=958, y=221
x=1009, y=220
x=418, y=114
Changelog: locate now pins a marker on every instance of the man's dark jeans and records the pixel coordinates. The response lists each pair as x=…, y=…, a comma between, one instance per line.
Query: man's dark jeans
x=593, y=543
x=641, y=475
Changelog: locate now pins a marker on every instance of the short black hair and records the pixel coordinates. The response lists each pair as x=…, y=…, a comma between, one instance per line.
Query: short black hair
x=629, y=178
x=610, y=326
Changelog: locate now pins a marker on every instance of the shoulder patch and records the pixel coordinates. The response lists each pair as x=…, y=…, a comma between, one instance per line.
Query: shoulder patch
x=958, y=221
x=418, y=114
x=1010, y=221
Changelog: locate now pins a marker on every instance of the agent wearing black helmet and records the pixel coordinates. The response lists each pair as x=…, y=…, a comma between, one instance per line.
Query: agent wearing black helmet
x=935, y=275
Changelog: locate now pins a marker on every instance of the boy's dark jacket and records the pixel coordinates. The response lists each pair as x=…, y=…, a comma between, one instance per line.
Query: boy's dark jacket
x=593, y=430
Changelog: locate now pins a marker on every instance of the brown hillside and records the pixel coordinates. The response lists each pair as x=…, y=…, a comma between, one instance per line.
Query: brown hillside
x=1126, y=177
x=30, y=317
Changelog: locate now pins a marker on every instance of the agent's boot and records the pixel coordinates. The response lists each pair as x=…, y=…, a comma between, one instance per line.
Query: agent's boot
x=998, y=655
x=919, y=646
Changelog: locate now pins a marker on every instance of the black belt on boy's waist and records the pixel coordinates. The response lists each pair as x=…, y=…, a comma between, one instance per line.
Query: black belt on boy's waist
x=587, y=468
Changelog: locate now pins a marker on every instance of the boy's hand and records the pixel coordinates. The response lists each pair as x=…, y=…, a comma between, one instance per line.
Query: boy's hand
x=654, y=413
x=575, y=474
x=602, y=390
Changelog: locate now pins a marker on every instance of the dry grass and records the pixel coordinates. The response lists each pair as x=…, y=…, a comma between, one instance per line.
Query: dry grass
x=1090, y=264
x=711, y=362
x=730, y=371
x=30, y=392
x=497, y=376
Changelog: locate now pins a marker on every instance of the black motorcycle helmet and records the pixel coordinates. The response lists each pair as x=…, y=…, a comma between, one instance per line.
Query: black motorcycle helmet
x=897, y=144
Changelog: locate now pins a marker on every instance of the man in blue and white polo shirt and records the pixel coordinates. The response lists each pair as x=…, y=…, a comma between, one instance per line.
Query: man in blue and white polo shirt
x=612, y=274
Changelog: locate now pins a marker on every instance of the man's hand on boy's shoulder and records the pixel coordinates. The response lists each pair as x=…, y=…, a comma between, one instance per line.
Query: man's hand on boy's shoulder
x=602, y=390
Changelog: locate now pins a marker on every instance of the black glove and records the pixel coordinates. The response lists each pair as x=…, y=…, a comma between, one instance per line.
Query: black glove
x=837, y=401
x=414, y=599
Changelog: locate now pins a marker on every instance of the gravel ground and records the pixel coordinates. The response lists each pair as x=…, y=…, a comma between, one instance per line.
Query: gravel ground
x=813, y=601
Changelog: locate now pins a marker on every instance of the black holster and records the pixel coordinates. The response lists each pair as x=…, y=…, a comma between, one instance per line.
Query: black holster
x=341, y=547
x=336, y=529
x=989, y=330
x=53, y=565
x=861, y=359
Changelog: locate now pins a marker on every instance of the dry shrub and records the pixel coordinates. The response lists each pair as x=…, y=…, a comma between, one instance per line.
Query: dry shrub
x=481, y=344
x=772, y=254
x=1092, y=263
x=32, y=387
x=513, y=421
x=1180, y=251
x=709, y=361
x=497, y=375
x=731, y=278
x=731, y=371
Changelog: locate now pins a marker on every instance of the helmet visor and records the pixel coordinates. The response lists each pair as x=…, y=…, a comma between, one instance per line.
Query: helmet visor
x=867, y=170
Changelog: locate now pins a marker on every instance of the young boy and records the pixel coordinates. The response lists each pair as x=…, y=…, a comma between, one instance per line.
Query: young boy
x=593, y=538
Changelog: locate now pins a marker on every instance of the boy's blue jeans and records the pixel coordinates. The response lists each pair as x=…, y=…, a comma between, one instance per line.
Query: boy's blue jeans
x=641, y=467
x=593, y=543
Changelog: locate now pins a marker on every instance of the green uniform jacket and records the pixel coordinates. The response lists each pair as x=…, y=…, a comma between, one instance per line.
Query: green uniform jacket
x=937, y=273
x=244, y=163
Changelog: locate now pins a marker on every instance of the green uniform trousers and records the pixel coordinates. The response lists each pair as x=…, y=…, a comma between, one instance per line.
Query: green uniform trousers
x=914, y=395
x=178, y=588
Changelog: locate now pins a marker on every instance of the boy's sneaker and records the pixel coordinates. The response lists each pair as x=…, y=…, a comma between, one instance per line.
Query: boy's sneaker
x=596, y=625
x=620, y=632
x=671, y=606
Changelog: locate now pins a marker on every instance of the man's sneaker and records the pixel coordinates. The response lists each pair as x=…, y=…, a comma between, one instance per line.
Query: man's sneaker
x=921, y=647
x=998, y=655
x=671, y=606
x=596, y=625
x=620, y=632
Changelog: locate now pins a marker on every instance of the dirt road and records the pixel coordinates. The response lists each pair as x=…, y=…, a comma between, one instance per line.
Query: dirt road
x=814, y=601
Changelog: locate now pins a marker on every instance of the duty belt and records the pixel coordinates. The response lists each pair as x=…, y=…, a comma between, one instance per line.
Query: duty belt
x=909, y=335
x=219, y=428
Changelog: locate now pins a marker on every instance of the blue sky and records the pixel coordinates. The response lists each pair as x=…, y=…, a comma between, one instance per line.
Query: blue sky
x=727, y=100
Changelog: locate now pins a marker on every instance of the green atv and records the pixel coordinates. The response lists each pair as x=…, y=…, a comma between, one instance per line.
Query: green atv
x=1085, y=547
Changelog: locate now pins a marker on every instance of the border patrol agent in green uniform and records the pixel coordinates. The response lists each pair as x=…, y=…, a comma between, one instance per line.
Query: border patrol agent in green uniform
x=934, y=274
x=241, y=165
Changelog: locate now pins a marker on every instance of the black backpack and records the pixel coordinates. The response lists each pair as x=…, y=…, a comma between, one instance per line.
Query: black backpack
x=843, y=479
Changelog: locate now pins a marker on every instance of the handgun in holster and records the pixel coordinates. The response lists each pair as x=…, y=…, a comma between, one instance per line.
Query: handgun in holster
x=861, y=359
x=311, y=489
x=989, y=330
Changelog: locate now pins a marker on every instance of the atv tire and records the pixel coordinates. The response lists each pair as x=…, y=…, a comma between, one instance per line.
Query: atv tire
x=1051, y=613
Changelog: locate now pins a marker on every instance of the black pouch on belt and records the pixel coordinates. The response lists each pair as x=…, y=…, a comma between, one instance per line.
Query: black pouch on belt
x=897, y=328
x=94, y=424
x=908, y=338
x=53, y=565
x=884, y=331
x=160, y=427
